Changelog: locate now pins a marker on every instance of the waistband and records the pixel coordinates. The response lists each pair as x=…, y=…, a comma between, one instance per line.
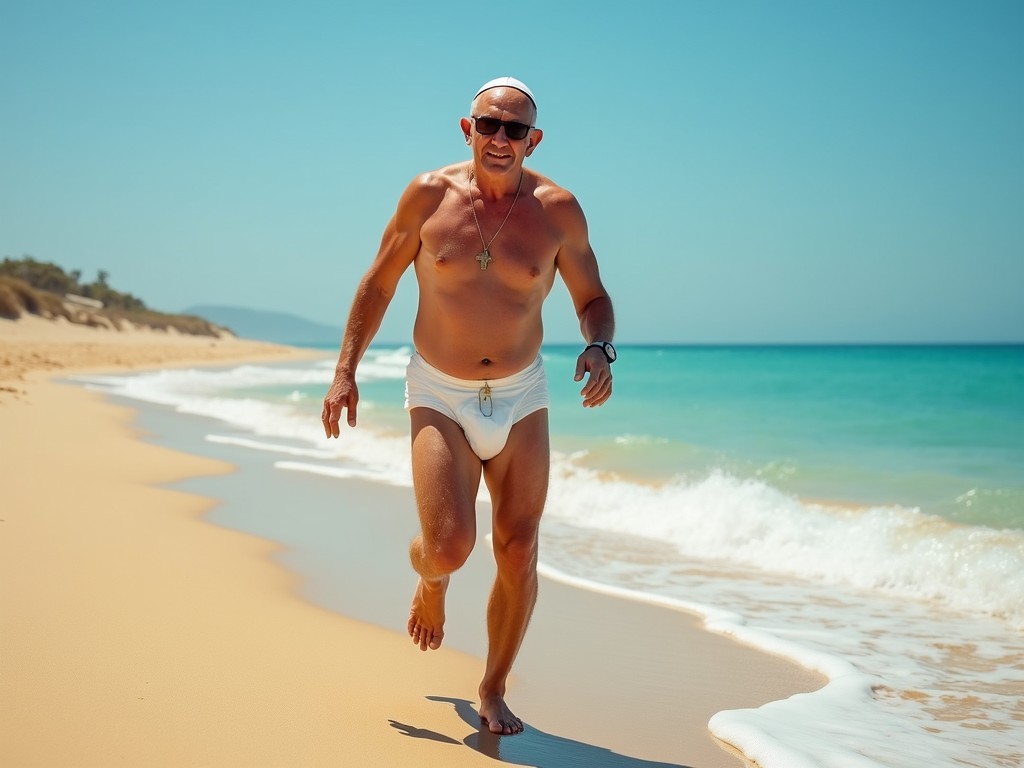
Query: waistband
x=475, y=384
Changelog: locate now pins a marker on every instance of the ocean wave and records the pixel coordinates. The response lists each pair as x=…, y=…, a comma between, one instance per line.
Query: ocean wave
x=207, y=393
x=895, y=550
x=384, y=364
x=170, y=386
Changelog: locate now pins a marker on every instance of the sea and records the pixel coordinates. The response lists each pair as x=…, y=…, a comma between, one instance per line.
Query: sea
x=858, y=509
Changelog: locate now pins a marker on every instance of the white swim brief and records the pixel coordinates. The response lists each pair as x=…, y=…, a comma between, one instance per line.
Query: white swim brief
x=486, y=409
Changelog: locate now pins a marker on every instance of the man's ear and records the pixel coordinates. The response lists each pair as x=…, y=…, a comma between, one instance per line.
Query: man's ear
x=535, y=138
x=467, y=128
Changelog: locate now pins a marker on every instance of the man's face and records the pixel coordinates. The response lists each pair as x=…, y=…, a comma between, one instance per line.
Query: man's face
x=498, y=153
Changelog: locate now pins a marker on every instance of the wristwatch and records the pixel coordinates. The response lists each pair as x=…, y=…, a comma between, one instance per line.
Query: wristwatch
x=607, y=348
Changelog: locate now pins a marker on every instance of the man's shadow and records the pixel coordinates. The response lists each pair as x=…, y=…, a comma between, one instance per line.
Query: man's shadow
x=531, y=747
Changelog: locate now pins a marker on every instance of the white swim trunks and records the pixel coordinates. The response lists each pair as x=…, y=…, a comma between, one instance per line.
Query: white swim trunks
x=487, y=409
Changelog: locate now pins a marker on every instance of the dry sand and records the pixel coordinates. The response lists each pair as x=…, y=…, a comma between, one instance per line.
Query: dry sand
x=133, y=632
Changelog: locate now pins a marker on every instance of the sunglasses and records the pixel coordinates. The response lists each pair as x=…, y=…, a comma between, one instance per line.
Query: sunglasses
x=488, y=126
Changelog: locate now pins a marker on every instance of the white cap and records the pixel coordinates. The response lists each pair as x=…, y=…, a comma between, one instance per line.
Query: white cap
x=507, y=82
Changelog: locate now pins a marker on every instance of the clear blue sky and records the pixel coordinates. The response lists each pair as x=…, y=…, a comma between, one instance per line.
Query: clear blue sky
x=752, y=171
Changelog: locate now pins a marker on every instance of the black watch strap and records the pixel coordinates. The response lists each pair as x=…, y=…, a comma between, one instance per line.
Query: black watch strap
x=605, y=346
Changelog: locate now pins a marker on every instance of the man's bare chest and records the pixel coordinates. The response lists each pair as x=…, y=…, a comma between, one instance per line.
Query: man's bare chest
x=516, y=242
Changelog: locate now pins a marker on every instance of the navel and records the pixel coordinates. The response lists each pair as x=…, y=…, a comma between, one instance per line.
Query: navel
x=486, y=361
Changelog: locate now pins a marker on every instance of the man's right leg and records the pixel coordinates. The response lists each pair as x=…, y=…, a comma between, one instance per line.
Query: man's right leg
x=446, y=477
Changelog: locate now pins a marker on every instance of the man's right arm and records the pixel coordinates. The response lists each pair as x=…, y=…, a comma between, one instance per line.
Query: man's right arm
x=578, y=267
x=398, y=249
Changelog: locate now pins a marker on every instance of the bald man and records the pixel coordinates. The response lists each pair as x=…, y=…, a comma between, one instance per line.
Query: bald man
x=485, y=238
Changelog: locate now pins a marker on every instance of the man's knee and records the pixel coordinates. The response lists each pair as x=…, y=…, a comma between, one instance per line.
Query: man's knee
x=449, y=552
x=516, y=552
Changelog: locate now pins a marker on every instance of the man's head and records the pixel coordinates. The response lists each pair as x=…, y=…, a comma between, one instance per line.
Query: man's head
x=508, y=82
x=501, y=126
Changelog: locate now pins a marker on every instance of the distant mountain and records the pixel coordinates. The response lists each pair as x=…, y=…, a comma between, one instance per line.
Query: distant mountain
x=277, y=327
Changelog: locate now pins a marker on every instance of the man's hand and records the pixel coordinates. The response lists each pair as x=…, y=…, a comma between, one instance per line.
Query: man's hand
x=599, y=384
x=343, y=395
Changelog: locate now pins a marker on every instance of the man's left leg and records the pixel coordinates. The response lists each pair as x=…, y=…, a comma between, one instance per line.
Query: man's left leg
x=517, y=479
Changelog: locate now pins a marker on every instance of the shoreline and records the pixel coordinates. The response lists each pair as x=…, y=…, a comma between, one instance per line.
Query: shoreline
x=136, y=636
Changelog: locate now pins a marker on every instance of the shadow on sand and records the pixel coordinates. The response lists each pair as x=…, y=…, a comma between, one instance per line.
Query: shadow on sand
x=531, y=747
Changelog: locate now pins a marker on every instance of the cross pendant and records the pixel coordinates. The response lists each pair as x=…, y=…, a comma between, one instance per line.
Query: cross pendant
x=484, y=257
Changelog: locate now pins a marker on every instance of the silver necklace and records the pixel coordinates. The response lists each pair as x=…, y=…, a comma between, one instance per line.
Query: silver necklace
x=484, y=257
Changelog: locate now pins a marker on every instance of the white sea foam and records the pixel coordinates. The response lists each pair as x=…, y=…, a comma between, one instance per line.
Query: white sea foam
x=384, y=364
x=378, y=474
x=177, y=386
x=259, y=445
x=635, y=440
x=201, y=393
x=722, y=621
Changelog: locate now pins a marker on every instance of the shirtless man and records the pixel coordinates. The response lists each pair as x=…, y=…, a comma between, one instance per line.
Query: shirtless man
x=485, y=239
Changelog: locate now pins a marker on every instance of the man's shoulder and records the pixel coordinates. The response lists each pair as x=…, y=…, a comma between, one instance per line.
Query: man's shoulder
x=555, y=198
x=549, y=192
x=439, y=179
x=427, y=189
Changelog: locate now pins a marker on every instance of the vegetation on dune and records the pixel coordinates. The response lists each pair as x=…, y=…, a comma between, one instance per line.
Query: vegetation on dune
x=45, y=289
x=17, y=296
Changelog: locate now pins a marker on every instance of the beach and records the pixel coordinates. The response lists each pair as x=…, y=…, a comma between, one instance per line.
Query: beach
x=136, y=631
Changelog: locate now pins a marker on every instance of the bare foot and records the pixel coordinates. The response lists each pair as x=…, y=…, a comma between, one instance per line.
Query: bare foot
x=426, y=617
x=498, y=718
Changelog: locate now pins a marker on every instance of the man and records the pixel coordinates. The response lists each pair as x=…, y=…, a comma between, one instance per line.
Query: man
x=485, y=239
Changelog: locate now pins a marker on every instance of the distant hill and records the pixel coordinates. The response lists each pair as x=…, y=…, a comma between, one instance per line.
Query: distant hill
x=277, y=327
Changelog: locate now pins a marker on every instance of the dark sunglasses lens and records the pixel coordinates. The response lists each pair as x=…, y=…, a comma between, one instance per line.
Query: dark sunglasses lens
x=516, y=130
x=487, y=125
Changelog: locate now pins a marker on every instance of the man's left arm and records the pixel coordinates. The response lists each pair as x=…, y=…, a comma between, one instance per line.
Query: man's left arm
x=577, y=264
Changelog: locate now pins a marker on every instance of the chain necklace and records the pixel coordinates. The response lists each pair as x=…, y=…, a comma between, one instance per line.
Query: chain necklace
x=484, y=257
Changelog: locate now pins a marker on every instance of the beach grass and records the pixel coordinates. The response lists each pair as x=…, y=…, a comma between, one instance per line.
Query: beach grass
x=19, y=297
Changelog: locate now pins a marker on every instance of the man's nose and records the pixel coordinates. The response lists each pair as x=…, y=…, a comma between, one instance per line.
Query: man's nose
x=500, y=137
